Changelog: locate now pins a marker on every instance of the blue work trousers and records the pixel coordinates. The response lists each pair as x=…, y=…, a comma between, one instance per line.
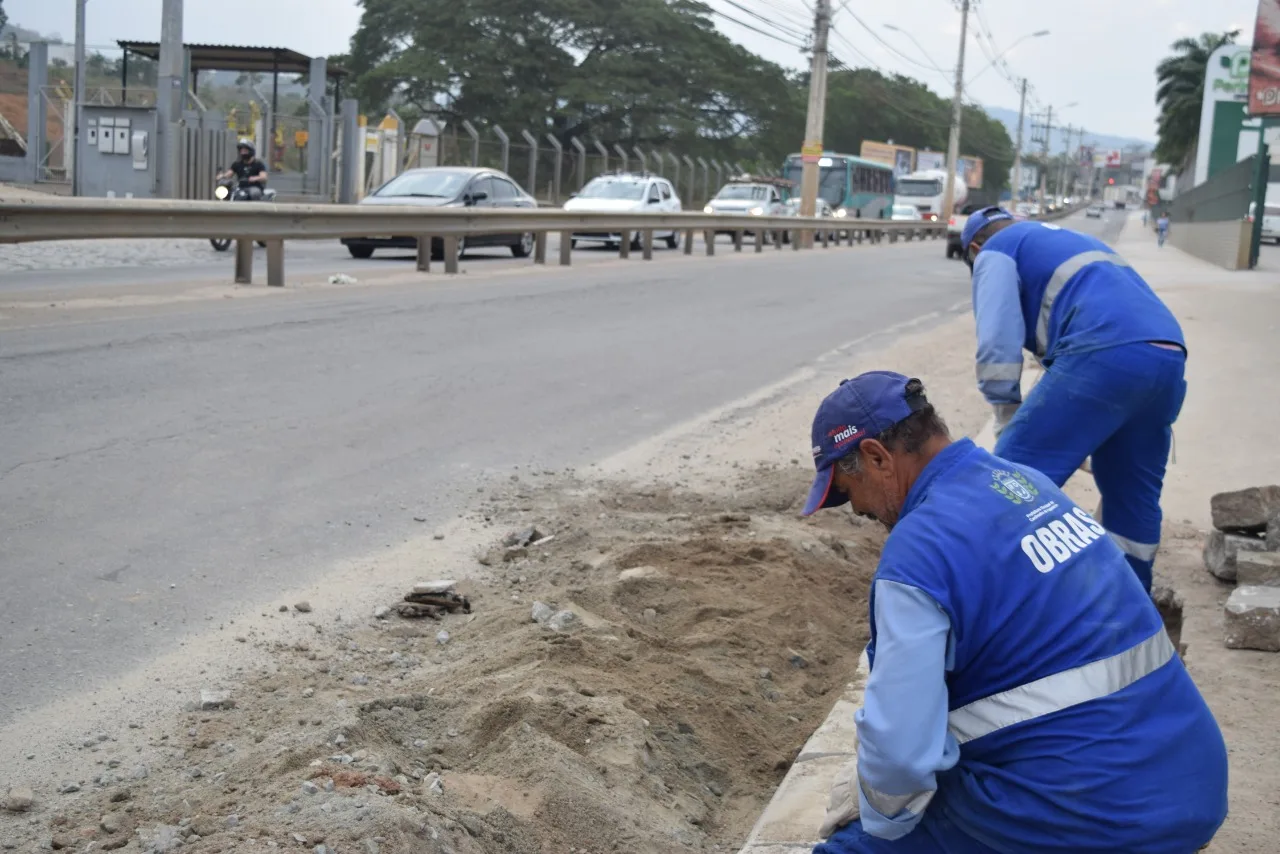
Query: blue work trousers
x=1117, y=405
x=933, y=835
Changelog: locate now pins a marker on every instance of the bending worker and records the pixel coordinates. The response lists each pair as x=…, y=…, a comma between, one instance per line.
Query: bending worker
x=1023, y=694
x=1113, y=354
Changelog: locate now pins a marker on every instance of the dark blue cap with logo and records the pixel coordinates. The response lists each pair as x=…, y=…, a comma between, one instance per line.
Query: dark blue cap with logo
x=979, y=220
x=862, y=407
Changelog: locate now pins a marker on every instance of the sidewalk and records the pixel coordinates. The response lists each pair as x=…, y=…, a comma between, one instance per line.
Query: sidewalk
x=1224, y=440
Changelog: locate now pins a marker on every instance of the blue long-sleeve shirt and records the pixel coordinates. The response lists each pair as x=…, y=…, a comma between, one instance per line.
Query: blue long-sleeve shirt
x=1055, y=291
x=903, y=742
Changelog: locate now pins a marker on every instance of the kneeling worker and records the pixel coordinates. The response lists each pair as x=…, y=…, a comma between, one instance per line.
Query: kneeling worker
x=1023, y=694
x=1114, y=357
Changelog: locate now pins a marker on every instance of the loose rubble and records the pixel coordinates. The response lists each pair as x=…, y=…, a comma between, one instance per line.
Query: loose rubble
x=1244, y=548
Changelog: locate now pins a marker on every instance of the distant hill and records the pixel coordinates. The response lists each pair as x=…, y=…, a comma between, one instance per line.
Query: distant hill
x=1058, y=139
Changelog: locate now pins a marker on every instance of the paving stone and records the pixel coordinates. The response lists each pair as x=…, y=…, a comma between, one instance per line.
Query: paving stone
x=1245, y=510
x=1253, y=619
x=1221, y=549
x=1258, y=569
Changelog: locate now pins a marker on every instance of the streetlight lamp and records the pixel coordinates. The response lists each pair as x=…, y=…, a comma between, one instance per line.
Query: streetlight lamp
x=1037, y=34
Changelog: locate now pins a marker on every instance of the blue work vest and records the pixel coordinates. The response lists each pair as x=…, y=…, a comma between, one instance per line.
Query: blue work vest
x=1078, y=294
x=1079, y=728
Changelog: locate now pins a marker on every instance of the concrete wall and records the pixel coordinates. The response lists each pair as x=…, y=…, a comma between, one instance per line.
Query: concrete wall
x=1223, y=243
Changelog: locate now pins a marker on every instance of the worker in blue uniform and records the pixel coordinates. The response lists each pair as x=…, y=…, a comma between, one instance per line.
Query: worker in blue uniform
x=1023, y=695
x=1114, y=358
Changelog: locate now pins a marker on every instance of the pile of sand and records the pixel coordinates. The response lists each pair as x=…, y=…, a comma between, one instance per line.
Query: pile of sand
x=712, y=637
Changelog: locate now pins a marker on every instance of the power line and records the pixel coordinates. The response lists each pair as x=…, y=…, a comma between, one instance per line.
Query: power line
x=767, y=20
x=931, y=65
x=755, y=29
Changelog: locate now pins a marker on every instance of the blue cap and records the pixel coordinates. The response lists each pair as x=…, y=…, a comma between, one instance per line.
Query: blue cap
x=977, y=221
x=862, y=407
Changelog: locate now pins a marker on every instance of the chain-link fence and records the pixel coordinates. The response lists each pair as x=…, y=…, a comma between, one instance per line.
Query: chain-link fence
x=13, y=99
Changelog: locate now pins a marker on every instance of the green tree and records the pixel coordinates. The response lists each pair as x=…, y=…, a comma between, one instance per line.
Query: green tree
x=1180, y=94
x=4, y=19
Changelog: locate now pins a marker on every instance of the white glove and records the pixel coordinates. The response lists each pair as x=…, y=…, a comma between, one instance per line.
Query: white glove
x=842, y=804
x=1003, y=413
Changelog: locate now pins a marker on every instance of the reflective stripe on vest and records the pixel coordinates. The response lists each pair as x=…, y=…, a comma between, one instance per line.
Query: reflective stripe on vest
x=1060, y=691
x=891, y=806
x=1135, y=549
x=1060, y=277
x=996, y=371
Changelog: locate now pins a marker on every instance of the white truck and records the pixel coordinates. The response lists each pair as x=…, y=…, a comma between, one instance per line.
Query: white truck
x=924, y=191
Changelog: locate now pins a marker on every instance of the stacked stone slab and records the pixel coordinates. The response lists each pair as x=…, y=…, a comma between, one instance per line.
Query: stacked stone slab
x=1244, y=548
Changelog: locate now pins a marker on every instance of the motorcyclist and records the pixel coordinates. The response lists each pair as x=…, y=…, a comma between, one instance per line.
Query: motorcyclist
x=249, y=171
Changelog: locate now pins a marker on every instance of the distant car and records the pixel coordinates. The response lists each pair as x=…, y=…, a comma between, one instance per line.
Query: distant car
x=625, y=192
x=448, y=187
x=1270, y=221
x=955, y=227
x=905, y=213
x=821, y=208
x=1093, y=211
x=750, y=197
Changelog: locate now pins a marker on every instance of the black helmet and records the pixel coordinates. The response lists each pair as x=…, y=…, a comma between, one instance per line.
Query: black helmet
x=245, y=143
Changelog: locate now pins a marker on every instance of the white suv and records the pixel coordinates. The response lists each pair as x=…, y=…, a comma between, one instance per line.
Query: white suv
x=626, y=193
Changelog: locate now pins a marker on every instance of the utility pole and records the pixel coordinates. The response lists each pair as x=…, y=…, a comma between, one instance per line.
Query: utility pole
x=78, y=97
x=1017, y=151
x=170, y=95
x=811, y=151
x=1044, y=155
x=957, y=112
x=1062, y=170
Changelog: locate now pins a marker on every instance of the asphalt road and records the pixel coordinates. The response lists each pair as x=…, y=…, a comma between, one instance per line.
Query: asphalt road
x=160, y=469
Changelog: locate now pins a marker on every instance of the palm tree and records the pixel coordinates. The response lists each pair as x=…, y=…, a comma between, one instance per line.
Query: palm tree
x=1180, y=94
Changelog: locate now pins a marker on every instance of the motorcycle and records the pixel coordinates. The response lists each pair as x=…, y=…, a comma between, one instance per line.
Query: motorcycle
x=230, y=189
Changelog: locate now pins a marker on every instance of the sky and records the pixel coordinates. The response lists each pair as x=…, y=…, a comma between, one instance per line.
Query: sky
x=1099, y=54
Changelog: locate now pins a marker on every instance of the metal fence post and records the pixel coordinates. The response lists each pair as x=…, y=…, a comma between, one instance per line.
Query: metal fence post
x=644, y=163
x=506, y=146
x=533, y=162
x=693, y=175
x=657, y=158
x=604, y=156
x=555, y=143
x=675, y=180
x=622, y=155
x=719, y=174
x=706, y=180
x=582, y=161
x=475, y=141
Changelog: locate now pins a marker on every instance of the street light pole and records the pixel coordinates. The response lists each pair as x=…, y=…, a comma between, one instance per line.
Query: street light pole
x=957, y=111
x=811, y=151
x=78, y=97
x=1017, y=152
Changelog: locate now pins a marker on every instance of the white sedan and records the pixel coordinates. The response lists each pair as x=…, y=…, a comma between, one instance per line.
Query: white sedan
x=905, y=213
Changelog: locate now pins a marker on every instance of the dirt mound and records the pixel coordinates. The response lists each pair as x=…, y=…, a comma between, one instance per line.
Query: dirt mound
x=708, y=644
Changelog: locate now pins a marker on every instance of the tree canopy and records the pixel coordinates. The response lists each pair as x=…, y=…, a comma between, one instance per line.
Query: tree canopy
x=649, y=73
x=1180, y=95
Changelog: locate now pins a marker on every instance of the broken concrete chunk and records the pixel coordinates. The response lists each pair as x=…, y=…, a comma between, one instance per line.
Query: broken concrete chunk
x=214, y=700
x=563, y=621
x=303, y=607
x=1253, y=619
x=443, y=586
x=520, y=539
x=542, y=612
x=1221, y=549
x=1245, y=511
x=19, y=799
x=1258, y=569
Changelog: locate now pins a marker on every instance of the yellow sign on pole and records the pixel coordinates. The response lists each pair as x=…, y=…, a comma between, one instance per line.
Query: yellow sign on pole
x=389, y=122
x=811, y=152
x=300, y=138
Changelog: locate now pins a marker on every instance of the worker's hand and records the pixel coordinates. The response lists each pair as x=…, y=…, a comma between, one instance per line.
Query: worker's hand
x=842, y=805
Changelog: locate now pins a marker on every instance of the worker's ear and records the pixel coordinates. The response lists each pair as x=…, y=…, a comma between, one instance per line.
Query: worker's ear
x=876, y=457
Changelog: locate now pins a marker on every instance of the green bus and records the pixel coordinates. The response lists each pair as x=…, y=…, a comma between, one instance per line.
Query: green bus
x=853, y=186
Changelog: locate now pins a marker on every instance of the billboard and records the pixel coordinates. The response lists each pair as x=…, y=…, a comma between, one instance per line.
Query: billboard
x=971, y=169
x=900, y=157
x=927, y=160
x=1114, y=158
x=1264, y=61
x=1222, y=113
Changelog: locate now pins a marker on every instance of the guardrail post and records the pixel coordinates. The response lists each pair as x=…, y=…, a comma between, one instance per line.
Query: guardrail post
x=688, y=241
x=540, y=248
x=737, y=240
x=566, y=248
x=624, y=245
x=244, y=262
x=275, y=263
x=709, y=237
x=647, y=241
x=893, y=236
x=798, y=238
x=451, y=254
x=759, y=240
x=826, y=235
x=424, y=253
x=777, y=239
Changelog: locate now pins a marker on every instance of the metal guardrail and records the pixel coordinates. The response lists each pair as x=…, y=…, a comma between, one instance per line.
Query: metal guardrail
x=26, y=220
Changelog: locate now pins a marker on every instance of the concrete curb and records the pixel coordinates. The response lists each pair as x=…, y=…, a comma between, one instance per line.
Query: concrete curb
x=791, y=820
